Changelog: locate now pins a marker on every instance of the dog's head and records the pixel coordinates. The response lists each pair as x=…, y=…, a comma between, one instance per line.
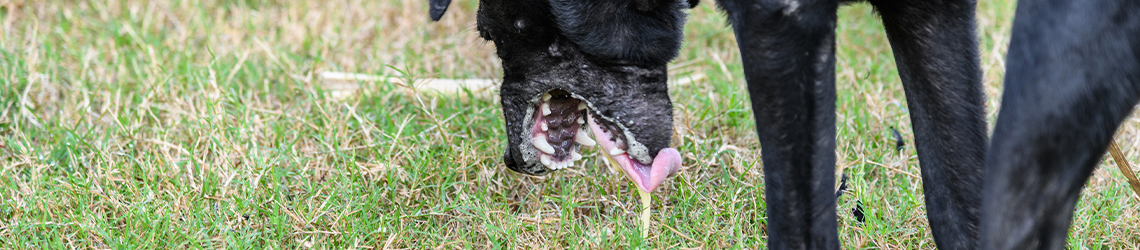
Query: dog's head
x=572, y=68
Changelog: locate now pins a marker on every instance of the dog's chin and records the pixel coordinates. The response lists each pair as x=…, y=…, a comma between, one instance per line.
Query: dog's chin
x=561, y=124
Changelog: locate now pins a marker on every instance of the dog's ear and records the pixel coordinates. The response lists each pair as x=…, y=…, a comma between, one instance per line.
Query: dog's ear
x=693, y=3
x=438, y=7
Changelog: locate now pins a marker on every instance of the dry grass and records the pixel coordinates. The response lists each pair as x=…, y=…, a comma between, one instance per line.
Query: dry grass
x=201, y=124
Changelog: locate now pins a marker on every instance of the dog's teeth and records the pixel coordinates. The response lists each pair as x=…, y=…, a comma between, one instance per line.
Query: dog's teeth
x=545, y=109
x=542, y=145
x=544, y=126
x=581, y=105
x=582, y=138
x=616, y=151
x=545, y=159
x=546, y=97
x=574, y=156
x=581, y=120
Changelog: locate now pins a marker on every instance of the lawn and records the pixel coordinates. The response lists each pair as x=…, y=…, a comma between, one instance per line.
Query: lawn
x=205, y=124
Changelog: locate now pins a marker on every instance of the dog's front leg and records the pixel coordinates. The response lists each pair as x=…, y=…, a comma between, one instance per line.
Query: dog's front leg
x=936, y=50
x=1073, y=77
x=787, y=48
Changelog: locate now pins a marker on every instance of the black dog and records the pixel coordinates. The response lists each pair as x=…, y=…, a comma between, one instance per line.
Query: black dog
x=611, y=55
x=571, y=63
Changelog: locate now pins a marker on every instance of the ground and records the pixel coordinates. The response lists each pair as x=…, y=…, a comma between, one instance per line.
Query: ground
x=205, y=124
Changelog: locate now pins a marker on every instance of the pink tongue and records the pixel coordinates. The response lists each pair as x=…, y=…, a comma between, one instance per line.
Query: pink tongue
x=648, y=178
x=667, y=162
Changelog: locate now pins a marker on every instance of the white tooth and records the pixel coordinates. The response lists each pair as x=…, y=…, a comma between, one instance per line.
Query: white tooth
x=616, y=151
x=581, y=120
x=544, y=127
x=581, y=105
x=545, y=108
x=574, y=156
x=545, y=159
x=546, y=97
x=582, y=138
x=542, y=145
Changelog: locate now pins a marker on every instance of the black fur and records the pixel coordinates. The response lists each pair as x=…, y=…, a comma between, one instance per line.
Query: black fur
x=1073, y=75
x=621, y=31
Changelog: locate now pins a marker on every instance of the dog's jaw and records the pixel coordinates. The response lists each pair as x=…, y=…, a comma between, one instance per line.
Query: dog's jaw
x=562, y=124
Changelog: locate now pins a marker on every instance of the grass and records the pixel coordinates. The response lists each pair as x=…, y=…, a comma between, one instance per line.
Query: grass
x=202, y=124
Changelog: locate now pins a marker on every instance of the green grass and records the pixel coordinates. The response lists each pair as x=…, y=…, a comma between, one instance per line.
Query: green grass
x=188, y=124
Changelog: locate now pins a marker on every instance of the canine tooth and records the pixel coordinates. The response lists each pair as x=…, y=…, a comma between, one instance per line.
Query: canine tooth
x=542, y=145
x=581, y=120
x=616, y=151
x=574, y=156
x=545, y=108
x=544, y=126
x=582, y=138
x=581, y=105
x=545, y=159
x=546, y=97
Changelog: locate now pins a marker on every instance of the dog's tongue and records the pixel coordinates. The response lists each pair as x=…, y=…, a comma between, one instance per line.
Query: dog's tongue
x=667, y=162
x=648, y=178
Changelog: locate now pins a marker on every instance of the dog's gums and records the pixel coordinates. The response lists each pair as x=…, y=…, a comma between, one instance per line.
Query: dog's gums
x=557, y=132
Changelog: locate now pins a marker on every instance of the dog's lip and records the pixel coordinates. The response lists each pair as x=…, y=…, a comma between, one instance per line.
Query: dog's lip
x=647, y=177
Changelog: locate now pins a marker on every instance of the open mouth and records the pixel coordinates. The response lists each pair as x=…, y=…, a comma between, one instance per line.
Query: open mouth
x=563, y=125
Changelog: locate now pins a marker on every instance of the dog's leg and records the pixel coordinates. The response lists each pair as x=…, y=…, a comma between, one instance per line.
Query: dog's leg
x=787, y=47
x=936, y=50
x=1073, y=75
